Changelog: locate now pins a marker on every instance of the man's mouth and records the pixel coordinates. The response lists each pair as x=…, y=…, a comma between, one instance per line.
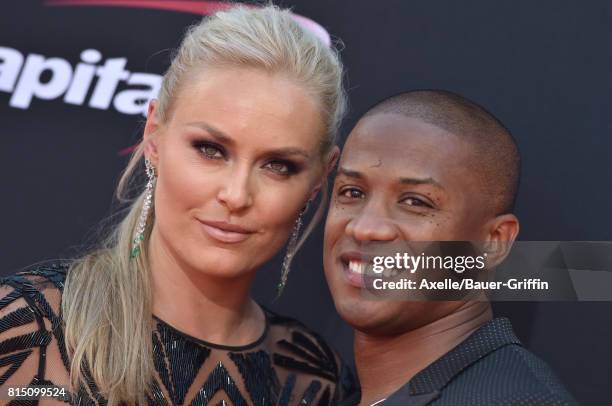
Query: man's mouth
x=358, y=269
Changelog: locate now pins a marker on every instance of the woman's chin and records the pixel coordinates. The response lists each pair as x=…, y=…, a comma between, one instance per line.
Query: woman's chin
x=222, y=264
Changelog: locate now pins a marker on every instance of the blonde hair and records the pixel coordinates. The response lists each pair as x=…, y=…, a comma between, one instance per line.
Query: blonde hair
x=107, y=300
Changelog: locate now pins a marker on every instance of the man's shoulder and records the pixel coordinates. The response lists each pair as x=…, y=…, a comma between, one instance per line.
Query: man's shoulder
x=511, y=375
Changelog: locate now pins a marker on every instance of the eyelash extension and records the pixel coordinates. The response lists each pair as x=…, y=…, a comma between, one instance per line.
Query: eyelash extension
x=292, y=167
x=200, y=144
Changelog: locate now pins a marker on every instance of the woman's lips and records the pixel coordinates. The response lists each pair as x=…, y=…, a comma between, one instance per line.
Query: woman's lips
x=225, y=232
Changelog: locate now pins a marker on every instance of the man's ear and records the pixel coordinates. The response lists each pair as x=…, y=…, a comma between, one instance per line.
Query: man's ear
x=149, y=136
x=330, y=164
x=332, y=159
x=501, y=233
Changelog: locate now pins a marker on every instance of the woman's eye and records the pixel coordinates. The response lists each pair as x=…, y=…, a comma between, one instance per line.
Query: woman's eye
x=281, y=168
x=211, y=152
x=352, y=193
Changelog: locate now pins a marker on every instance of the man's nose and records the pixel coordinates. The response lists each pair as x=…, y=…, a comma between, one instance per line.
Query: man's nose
x=372, y=223
x=236, y=192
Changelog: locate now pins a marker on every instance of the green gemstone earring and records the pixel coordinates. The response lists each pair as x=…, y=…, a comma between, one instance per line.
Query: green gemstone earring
x=144, y=214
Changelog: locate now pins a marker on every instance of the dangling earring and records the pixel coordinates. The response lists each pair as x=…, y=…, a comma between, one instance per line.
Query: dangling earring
x=291, y=246
x=146, y=206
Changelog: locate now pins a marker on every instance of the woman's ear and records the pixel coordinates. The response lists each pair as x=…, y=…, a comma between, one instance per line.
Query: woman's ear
x=149, y=136
x=501, y=233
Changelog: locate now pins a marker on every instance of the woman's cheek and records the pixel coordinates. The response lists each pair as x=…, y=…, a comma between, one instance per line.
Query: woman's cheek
x=192, y=184
x=279, y=208
x=176, y=191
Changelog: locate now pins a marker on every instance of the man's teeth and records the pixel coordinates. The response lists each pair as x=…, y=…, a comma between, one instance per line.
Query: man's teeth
x=361, y=267
x=357, y=267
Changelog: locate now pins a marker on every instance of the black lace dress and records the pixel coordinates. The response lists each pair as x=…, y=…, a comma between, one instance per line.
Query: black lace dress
x=287, y=365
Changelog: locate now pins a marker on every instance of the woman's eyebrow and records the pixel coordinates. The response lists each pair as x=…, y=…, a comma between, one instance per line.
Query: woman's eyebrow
x=216, y=133
x=226, y=139
x=288, y=151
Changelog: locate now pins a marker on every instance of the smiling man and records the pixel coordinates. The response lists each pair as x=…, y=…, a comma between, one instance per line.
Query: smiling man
x=428, y=166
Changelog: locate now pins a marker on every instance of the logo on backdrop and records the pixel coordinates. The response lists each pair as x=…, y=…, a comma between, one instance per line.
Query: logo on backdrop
x=33, y=76
x=22, y=75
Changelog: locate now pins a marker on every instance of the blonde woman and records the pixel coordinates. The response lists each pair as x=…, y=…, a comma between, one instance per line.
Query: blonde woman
x=239, y=141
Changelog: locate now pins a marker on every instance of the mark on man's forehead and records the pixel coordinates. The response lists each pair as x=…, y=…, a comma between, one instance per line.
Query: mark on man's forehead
x=377, y=164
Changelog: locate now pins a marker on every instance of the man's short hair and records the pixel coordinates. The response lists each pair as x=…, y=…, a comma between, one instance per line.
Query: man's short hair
x=497, y=158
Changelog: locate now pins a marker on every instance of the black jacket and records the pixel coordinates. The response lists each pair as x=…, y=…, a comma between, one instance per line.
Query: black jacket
x=490, y=367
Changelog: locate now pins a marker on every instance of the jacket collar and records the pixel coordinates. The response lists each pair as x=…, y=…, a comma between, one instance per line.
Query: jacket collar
x=427, y=385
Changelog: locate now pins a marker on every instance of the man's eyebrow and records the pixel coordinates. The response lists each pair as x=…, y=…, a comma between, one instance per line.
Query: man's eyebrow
x=217, y=134
x=350, y=173
x=420, y=181
x=404, y=180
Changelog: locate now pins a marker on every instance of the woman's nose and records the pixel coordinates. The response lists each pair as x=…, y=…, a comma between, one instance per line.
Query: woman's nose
x=236, y=192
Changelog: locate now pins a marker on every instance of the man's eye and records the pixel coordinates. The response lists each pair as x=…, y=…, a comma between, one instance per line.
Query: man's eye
x=352, y=193
x=413, y=201
x=211, y=152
